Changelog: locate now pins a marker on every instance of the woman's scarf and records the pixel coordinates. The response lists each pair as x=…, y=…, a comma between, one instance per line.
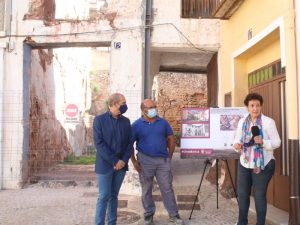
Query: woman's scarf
x=249, y=145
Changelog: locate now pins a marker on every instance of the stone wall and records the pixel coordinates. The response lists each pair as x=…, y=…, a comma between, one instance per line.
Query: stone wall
x=174, y=91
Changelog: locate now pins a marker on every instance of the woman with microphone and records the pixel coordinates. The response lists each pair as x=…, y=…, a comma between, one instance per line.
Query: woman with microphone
x=256, y=138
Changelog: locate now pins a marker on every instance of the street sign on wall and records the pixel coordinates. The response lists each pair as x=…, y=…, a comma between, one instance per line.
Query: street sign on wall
x=71, y=113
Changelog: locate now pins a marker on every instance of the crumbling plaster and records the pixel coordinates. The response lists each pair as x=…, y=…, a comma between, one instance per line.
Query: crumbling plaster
x=126, y=74
x=121, y=22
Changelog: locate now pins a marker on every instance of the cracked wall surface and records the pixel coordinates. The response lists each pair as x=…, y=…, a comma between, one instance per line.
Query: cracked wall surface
x=41, y=10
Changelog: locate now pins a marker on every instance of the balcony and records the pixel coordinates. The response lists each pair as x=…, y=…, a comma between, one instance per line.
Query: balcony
x=222, y=9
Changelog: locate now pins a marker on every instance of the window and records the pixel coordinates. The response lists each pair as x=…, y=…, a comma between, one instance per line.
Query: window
x=265, y=73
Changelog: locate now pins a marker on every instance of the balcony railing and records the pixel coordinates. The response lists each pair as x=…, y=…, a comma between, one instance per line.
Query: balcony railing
x=209, y=8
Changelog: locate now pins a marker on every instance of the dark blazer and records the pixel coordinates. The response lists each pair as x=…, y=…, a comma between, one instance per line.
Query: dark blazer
x=112, y=138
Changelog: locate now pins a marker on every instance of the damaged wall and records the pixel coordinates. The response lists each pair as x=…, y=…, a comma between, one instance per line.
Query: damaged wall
x=174, y=91
x=58, y=77
x=99, y=75
x=48, y=141
x=117, y=24
x=41, y=10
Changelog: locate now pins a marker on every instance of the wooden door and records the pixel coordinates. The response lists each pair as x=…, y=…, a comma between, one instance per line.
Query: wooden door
x=273, y=92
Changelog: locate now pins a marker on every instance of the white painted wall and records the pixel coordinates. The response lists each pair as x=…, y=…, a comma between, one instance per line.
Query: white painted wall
x=171, y=32
x=126, y=70
x=72, y=9
x=2, y=48
x=12, y=119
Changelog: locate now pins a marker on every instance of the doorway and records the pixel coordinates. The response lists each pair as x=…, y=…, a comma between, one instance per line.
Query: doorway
x=273, y=93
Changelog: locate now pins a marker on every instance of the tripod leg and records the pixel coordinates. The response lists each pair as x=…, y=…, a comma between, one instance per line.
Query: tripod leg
x=217, y=183
x=206, y=163
x=232, y=181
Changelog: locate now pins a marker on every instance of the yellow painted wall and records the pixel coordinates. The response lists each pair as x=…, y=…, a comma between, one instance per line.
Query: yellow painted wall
x=257, y=15
x=268, y=54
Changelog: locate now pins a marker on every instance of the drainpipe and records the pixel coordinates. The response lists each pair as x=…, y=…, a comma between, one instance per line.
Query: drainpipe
x=147, y=48
x=294, y=216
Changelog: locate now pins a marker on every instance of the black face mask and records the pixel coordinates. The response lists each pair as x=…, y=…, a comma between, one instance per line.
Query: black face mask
x=123, y=108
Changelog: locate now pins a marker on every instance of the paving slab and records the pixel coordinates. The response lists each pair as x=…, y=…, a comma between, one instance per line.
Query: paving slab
x=72, y=201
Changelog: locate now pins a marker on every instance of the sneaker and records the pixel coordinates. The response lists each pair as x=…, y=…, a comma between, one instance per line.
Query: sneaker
x=148, y=220
x=176, y=219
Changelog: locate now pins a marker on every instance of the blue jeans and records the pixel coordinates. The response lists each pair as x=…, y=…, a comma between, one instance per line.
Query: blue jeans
x=109, y=185
x=259, y=182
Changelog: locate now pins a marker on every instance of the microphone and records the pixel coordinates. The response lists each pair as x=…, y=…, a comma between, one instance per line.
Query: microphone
x=255, y=131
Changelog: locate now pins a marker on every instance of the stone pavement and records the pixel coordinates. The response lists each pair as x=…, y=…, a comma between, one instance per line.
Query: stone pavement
x=73, y=202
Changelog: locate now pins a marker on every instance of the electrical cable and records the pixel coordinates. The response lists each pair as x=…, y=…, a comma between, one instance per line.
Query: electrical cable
x=112, y=31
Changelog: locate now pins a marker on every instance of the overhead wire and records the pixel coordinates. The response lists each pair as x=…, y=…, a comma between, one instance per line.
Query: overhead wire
x=110, y=31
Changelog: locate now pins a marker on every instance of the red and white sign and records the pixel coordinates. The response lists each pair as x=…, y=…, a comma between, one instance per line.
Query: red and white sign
x=71, y=113
x=71, y=110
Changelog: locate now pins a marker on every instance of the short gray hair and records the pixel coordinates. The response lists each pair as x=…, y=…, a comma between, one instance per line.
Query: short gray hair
x=113, y=99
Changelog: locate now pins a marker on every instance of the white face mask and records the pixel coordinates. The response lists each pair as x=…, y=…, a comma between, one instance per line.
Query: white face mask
x=152, y=113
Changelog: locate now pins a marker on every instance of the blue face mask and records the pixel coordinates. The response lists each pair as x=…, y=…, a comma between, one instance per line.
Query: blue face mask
x=152, y=113
x=123, y=108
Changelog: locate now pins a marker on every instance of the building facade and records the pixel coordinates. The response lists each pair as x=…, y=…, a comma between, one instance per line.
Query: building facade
x=240, y=45
x=258, y=54
x=32, y=34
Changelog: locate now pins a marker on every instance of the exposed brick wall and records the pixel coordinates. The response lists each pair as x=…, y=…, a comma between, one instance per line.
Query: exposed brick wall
x=41, y=10
x=174, y=91
x=48, y=139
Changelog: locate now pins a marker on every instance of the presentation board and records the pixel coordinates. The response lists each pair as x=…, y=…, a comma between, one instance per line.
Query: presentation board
x=209, y=132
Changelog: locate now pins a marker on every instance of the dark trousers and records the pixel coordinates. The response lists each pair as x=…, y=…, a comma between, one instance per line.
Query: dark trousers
x=160, y=168
x=259, y=182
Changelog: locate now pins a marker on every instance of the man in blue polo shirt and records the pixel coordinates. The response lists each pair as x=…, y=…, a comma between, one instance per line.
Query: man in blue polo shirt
x=112, y=137
x=155, y=144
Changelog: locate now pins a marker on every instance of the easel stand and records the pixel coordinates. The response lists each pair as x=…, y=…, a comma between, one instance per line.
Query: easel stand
x=207, y=162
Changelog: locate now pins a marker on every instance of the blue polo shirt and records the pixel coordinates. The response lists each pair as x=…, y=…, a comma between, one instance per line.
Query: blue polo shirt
x=151, y=138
